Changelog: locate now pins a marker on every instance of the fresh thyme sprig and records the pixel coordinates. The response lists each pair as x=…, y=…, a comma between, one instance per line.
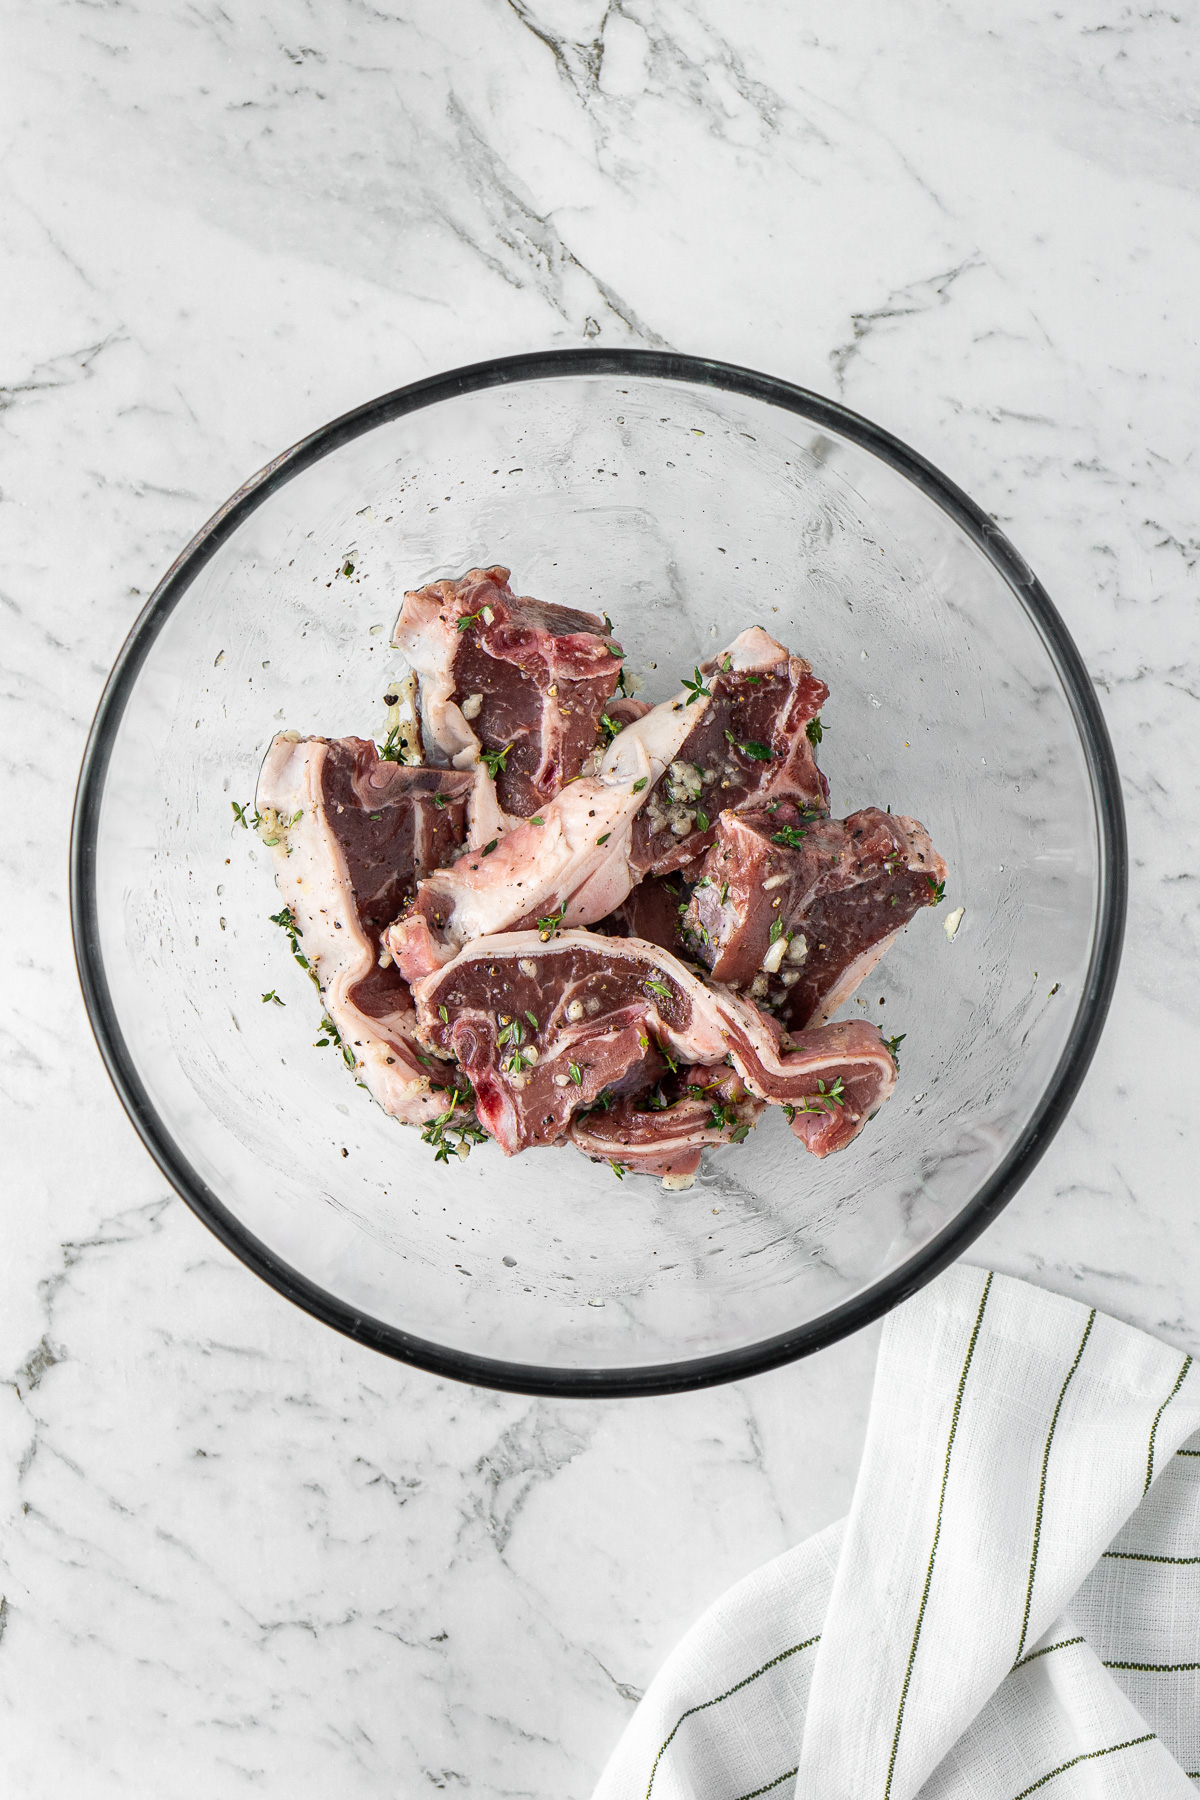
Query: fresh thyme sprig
x=550, y=924
x=331, y=1035
x=696, y=688
x=938, y=889
x=495, y=760
x=824, y=1100
x=285, y=918
x=466, y=1129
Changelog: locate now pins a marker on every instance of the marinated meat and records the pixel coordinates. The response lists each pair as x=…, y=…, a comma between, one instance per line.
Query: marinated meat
x=351, y=835
x=544, y=1029
x=665, y=1131
x=749, y=744
x=799, y=910
x=571, y=863
x=439, y=907
x=652, y=910
x=521, y=682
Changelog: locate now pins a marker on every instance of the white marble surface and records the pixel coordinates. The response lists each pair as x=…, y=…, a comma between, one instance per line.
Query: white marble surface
x=240, y=1555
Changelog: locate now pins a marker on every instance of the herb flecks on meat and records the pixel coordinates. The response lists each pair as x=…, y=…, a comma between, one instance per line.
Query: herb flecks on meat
x=361, y=832
x=797, y=911
x=616, y=1014
x=521, y=683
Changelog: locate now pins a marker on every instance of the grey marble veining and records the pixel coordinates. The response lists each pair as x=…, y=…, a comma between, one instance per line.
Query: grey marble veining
x=240, y=1555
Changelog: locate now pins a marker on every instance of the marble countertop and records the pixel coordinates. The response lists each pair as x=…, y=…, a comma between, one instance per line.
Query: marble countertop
x=239, y=1554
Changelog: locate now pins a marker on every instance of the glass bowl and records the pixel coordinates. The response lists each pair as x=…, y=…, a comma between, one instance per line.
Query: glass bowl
x=688, y=499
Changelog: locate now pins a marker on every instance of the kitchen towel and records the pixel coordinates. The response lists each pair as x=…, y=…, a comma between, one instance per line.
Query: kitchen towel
x=1011, y=1608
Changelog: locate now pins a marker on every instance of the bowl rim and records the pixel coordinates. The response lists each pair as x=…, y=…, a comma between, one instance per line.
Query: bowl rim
x=889, y=1290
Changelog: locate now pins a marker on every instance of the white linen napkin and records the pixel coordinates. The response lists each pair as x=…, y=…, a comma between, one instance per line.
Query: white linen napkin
x=1011, y=1608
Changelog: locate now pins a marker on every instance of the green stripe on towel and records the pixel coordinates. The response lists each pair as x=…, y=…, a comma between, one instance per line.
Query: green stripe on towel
x=1187, y=1363
x=1087, y=1756
x=716, y=1700
x=1041, y=1499
x=912, y=1655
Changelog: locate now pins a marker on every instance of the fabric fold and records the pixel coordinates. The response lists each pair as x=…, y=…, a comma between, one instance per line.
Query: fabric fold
x=1025, y=1455
x=1011, y=1435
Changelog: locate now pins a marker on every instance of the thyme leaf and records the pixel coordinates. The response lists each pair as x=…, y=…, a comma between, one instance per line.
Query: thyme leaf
x=757, y=752
x=550, y=924
x=824, y=1100
x=495, y=760
x=466, y=1129
x=391, y=749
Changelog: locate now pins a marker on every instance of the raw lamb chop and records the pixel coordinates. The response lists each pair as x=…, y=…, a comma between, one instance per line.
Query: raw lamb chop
x=799, y=910
x=652, y=910
x=351, y=834
x=523, y=683
x=579, y=857
x=544, y=1029
x=664, y=1132
x=748, y=745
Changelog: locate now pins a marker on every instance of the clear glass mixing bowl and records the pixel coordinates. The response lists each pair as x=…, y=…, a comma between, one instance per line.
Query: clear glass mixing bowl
x=689, y=500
